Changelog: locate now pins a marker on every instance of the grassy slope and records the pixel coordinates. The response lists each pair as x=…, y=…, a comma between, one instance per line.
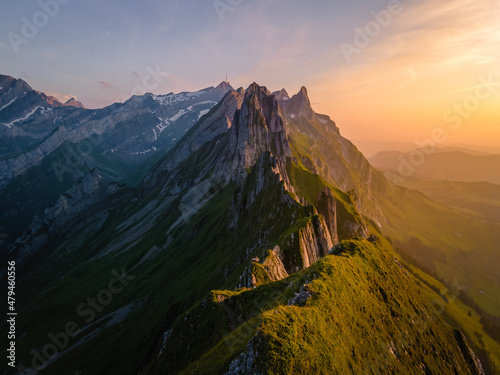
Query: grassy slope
x=476, y=198
x=462, y=246
x=454, y=166
x=363, y=304
x=456, y=313
x=202, y=255
x=466, y=249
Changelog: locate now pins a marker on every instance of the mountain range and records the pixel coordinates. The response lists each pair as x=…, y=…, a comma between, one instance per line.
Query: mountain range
x=230, y=232
x=441, y=164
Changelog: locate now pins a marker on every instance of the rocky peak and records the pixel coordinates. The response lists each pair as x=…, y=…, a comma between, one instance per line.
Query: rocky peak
x=259, y=126
x=19, y=102
x=8, y=82
x=281, y=95
x=74, y=103
x=299, y=105
x=214, y=123
x=224, y=86
x=11, y=89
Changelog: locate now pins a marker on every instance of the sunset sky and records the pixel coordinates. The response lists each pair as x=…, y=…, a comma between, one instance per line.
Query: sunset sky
x=383, y=70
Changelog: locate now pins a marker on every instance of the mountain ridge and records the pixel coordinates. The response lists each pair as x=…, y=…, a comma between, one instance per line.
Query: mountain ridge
x=251, y=195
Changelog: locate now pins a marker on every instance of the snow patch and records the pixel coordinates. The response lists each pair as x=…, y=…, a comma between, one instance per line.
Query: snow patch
x=203, y=113
x=156, y=135
x=9, y=103
x=161, y=127
x=27, y=116
x=176, y=98
x=179, y=114
x=144, y=152
x=190, y=108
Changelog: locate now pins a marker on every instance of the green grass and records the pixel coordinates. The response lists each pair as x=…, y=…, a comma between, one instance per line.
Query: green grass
x=203, y=254
x=481, y=199
x=456, y=314
x=362, y=305
x=463, y=246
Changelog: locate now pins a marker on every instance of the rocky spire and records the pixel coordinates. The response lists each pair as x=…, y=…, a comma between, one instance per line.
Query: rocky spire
x=299, y=105
x=259, y=127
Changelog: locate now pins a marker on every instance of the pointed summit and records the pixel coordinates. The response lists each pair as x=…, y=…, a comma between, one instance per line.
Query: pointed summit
x=258, y=127
x=225, y=86
x=281, y=95
x=74, y=103
x=299, y=105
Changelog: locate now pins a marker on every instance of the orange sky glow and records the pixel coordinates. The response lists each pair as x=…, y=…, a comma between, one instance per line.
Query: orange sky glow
x=435, y=65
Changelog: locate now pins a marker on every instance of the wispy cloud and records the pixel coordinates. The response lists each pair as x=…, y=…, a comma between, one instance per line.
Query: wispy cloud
x=449, y=34
x=104, y=85
x=435, y=39
x=428, y=58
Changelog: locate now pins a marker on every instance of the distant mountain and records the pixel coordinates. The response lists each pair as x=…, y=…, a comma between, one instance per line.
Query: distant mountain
x=477, y=198
x=442, y=165
x=46, y=146
x=74, y=103
x=371, y=148
x=255, y=243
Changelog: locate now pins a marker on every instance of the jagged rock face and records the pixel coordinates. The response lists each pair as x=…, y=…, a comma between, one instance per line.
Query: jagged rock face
x=274, y=266
x=259, y=126
x=327, y=207
x=281, y=95
x=215, y=123
x=299, y=105
x=314, y=241
x=268, y=171
x=246, y=361
x=332, y=156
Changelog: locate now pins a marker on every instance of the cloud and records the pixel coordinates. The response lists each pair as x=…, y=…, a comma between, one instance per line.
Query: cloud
x=63, y=98
x=105, y=85
x=450, y=34
x=440, y=41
